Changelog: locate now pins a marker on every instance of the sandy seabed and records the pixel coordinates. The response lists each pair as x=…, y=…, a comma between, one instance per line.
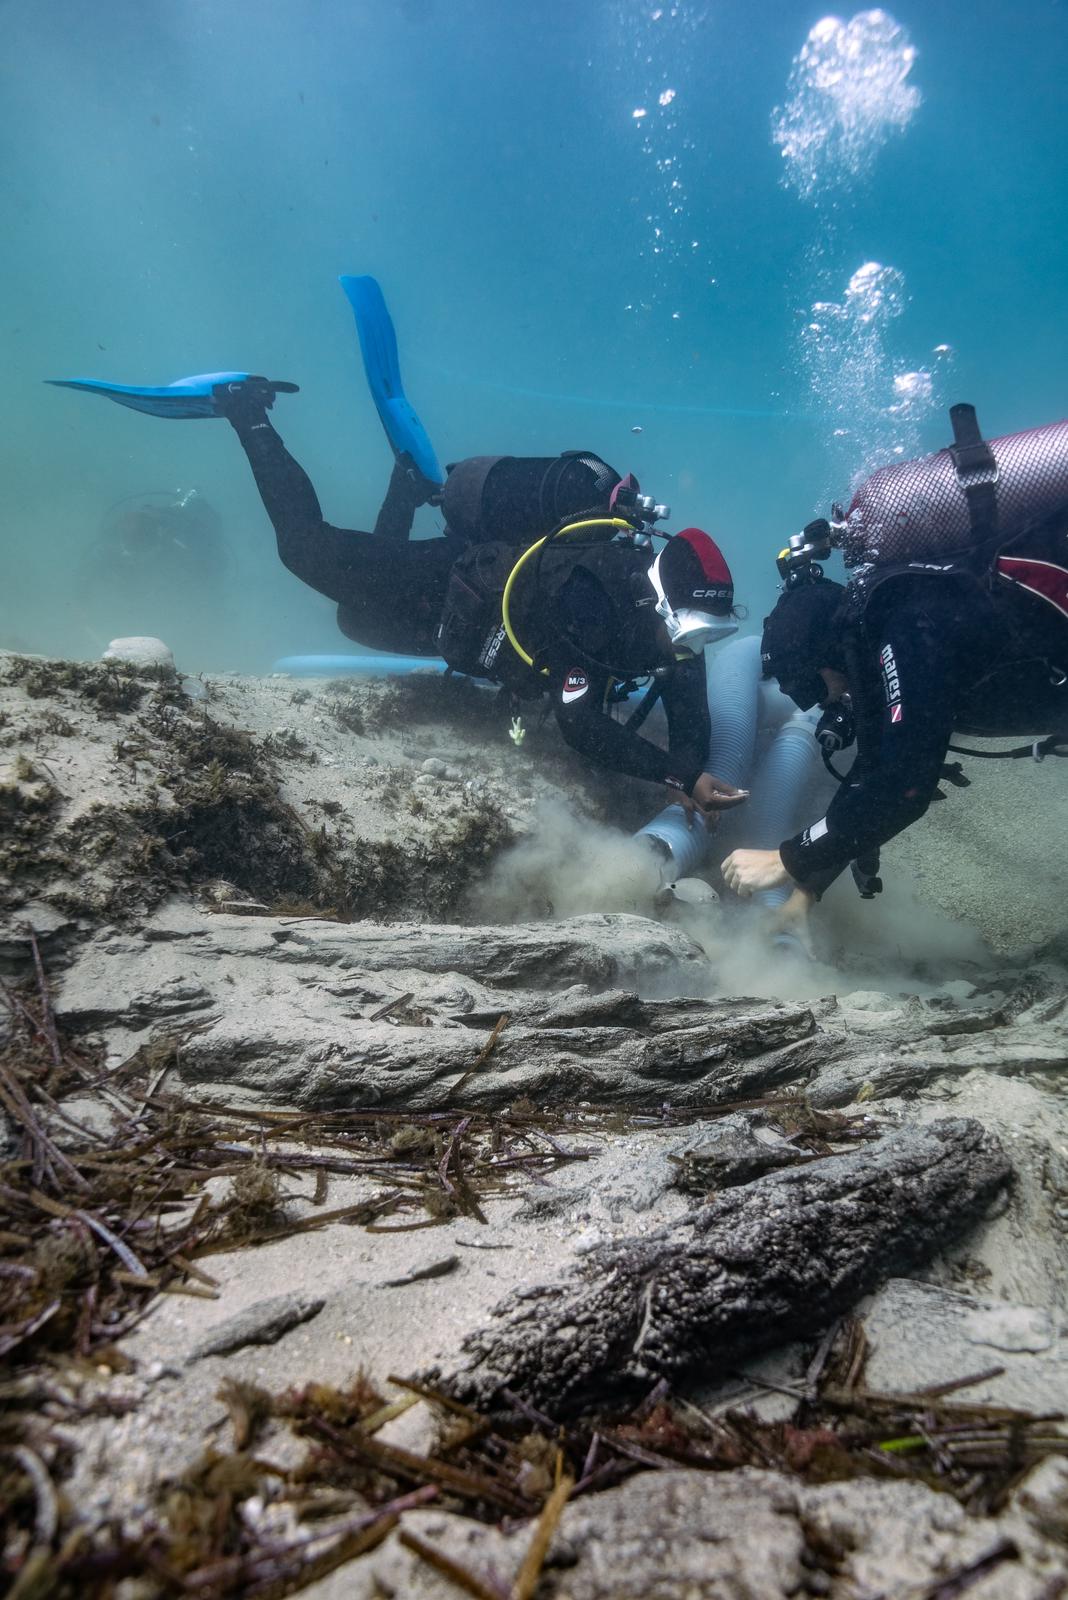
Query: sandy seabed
x=277, y=895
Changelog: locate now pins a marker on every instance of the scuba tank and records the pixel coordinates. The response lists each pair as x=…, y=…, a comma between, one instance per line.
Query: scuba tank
x=518, y=498
x=943, y=507
x=959, y=510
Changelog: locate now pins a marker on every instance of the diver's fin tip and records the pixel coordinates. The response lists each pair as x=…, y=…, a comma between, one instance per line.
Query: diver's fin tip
x=378, y=345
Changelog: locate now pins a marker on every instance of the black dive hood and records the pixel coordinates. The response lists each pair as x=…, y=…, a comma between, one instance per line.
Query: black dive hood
x=802, y=634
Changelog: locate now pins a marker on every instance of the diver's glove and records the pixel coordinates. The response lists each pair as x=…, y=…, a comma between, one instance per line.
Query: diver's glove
x=249, y=398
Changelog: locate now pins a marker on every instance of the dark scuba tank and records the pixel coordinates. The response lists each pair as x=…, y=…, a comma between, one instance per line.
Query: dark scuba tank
x=921, y=511
x=517, y=498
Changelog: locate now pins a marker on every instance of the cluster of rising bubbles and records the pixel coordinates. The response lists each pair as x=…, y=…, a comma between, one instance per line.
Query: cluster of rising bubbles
x=658, y=57
x=848, y=93
x=877, y=407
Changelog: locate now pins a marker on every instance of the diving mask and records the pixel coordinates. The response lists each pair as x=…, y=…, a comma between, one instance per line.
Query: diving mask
x=689, y=629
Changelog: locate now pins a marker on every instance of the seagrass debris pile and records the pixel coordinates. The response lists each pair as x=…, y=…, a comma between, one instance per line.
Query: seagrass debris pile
x=104, y=1216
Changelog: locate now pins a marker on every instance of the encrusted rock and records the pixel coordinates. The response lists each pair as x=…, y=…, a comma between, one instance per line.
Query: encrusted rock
x=759, y=1265
x=734, y=1152
x=263, y=1323
x=140, y=650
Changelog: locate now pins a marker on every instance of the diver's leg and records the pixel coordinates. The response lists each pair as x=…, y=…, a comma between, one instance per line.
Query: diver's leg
x=322, y=556
x=390, y=591
x=406, y=493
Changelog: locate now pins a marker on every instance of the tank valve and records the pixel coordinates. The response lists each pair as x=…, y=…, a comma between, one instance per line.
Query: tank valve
x=814, y=543
x=652, y=510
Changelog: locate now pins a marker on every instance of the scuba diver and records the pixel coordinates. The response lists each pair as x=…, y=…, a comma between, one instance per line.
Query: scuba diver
x=955, y=620
x=545, y=579
x=158, y=538
x=156, y=555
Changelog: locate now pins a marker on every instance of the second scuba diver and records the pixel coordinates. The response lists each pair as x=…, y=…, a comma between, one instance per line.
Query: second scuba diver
x=955, y=620
x=545, y=580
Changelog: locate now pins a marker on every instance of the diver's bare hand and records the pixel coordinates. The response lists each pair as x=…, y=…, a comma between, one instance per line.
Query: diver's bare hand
x=792, y=917
x=710, y=796
x=748, y=871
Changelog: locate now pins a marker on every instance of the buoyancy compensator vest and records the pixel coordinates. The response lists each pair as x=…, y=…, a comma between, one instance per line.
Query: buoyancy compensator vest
x=961, y=510
x=471, y=636
x=505, y=604
x=518, y=498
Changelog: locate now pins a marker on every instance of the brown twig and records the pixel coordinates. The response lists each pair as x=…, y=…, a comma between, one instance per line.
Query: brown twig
x=396, y=1462
x=48, y=1017
x=528, y=1411
x=526, y=1579
x=365, y=1209
x=45, y=1153
x=636, y=1452
x=936, y=1390
x=56, y=1208
x=435, y=1396
x=970, y=1572
x=443, y=1166
x=819, y=1361
x=483, y=1055
x=46, y=1516
x=449, y=1568
x=391, y=1005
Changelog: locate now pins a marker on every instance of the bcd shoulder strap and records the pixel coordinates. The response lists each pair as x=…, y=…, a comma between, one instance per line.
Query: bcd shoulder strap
x=977, y=471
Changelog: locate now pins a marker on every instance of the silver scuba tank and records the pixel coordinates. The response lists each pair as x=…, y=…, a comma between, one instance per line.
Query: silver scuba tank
x=918, y=511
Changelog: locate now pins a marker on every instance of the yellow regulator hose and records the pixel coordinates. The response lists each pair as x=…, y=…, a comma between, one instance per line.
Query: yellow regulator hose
x=615, y=523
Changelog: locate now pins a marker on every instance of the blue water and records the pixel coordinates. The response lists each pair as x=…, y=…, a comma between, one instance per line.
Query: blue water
x=183, y=182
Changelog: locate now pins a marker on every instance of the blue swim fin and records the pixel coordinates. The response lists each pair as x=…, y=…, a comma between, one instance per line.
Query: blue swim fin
x=378, y=342
x=185, y=397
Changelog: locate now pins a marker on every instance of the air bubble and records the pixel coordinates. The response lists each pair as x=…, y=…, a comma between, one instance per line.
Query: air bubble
x=877, y=406
x=848, y=95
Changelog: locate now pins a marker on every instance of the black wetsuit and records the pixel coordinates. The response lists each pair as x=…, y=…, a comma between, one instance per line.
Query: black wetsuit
x=934, y=655
x=390, y=591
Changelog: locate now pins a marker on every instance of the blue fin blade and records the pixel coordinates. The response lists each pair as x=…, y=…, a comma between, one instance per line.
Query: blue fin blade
x=184, y=398
x=378, y=345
